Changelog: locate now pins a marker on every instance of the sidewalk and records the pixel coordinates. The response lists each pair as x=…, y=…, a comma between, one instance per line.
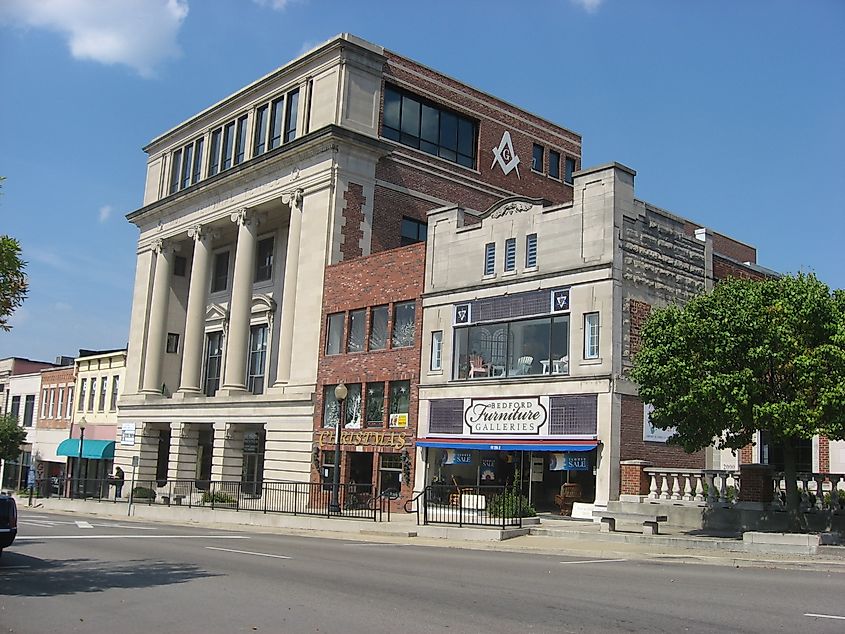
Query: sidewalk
x=554, y=536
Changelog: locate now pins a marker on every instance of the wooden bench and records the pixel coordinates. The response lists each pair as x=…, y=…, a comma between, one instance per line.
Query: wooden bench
x=650, y=522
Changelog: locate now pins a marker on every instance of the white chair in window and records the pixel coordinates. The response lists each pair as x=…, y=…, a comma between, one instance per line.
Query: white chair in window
x=477, y=367
x=523, y=364
x=561, y=366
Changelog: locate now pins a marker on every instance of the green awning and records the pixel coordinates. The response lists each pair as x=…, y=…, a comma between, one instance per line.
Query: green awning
x=95, y=449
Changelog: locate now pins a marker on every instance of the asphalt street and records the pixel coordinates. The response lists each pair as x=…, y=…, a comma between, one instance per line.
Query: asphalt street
x=80, y=574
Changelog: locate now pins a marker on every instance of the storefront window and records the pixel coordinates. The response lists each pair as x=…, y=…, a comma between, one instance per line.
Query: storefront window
x=375, y=405
x=390, y=473
x=356, y=331
x=400, y=398
x=331, y=411
x=530, y=347
x=403, y=324
x=378, y=328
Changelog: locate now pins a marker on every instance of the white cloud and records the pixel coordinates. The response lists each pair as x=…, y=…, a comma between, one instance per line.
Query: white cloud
x=104, y=213
x=590, y=6
x=138, y=33
x=278, y=5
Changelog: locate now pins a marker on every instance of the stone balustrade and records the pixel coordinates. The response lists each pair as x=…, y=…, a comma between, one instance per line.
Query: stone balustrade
x=818, y=491
x=692, y=486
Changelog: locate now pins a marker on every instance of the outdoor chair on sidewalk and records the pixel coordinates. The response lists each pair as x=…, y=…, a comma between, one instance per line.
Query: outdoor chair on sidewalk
x=569, y=494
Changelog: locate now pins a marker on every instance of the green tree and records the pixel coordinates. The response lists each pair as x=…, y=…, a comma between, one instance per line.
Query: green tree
x=13, y=283
x=751, y=355
x=11, y=437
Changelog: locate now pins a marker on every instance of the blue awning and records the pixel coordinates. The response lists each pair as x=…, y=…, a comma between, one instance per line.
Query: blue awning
x=94, y=449
x=489, y=445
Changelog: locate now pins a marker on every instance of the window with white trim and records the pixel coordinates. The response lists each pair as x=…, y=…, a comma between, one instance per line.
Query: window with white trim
x=510, y=254
x=257, y=358
x=213, y=362
x=81, y=405
x=531, y=251
x=436, y=350
x=490, y=258
x=591, y=336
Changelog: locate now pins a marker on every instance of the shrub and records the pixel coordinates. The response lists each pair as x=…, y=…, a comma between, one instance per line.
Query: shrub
x=218, y=497
x=511, y=503
x=143, y=493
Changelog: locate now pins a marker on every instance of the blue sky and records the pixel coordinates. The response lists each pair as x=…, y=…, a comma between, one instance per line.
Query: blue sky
x=732, y=113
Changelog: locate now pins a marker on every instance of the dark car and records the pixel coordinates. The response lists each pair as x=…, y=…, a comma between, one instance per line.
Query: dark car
x=8, y=521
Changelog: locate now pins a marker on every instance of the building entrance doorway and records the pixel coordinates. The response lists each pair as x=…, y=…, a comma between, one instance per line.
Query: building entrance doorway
x=360, y=488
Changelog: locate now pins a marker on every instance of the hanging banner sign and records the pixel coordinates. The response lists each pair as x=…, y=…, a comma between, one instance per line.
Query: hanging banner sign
x=457, y=456
x=569, y=461
x=505, y=416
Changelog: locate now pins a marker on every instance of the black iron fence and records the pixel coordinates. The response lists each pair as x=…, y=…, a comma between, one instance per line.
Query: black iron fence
x=493, y=506
x=296, y=498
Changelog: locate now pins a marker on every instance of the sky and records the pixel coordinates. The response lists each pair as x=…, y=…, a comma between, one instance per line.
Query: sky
x=732, y=114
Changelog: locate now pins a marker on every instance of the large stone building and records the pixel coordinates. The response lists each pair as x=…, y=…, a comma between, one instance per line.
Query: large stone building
x=336, y=155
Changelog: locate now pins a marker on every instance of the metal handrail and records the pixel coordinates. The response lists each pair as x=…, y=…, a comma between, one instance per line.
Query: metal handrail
x=415, y=499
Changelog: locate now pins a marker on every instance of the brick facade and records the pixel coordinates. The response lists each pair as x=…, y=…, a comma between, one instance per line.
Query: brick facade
x=353, y=219
x=639, y=312
x=634, y=479
x=824, y=454
x=376, y=280
x=725, y=268
x=633, y=447
x=57, y=384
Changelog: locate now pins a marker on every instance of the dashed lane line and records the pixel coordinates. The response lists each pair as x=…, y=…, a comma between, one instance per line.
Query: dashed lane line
x=247, y=552
x=826, y=616
x=594, y=561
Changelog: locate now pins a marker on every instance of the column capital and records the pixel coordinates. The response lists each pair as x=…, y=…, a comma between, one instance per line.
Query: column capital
x=242, y=216
x=201, y=232
x=166, y=247
x=294, y=197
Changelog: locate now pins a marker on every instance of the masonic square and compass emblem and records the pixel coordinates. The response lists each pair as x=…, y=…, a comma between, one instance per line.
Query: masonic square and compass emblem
x=505, y=156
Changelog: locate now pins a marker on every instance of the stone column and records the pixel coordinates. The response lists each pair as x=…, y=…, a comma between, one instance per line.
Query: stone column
x=237, y=342
x=182, y=462
x=293, y=199
x=227, y=456
x=157, y=329
x=195, y=318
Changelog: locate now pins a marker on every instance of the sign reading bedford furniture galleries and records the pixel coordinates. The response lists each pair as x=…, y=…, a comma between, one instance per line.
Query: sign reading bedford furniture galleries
x=505, y=416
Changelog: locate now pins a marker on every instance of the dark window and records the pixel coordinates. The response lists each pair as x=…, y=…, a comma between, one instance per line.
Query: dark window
x=228, y=145
x=537, y=158
x=378, y=328
x=262, y=121
x=771, y=453
x=510, y=254
x=197, y=161
x=277, y=108
x=489, y=258
x=175, y=171
x=390, y=473
x=257, y=358
x=163, y=457
x=214, y=152
x=375, y=405
x=413, y=231
x=264, y=260
x=403, y=324
x=554, y=164
x=570, y=167
x=172, y=343
x=241, y=142
x=446, y=416
x=115, y=388
x=213, y=356
x=29, y=410
x=357, y=331
x=352, y=407
x=180, y=266
x=421, y=124
x=334, y=333
x=187, y=166
x=400, y=398
x=531, y=251
x=291, y=115
x=220, y=276
x=16, y=405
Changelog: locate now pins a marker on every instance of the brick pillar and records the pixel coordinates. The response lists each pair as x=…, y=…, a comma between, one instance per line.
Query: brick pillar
x=824, y=454
x=635, y=481
x=746, y=454
x=756, y=483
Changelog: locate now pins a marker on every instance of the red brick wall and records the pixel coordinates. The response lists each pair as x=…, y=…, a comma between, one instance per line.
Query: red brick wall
x=475, y=189
x=726, y=246
x=633, y=447
x=723, y=269
x=383, y=278
x=635, y=481
x=746, y=454
x=824, y=454
x=639, y=313
x=53, y=379
x=353, y=213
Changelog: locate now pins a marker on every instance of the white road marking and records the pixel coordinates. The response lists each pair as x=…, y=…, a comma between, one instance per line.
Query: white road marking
x=247, y=552
x=827, y=616
x=82, y=524
x=39, y=538
x=39, y=523
x=593, y=561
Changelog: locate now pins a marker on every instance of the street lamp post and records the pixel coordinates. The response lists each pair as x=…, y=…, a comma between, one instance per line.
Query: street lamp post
x=340, y=394
x=81, y=426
